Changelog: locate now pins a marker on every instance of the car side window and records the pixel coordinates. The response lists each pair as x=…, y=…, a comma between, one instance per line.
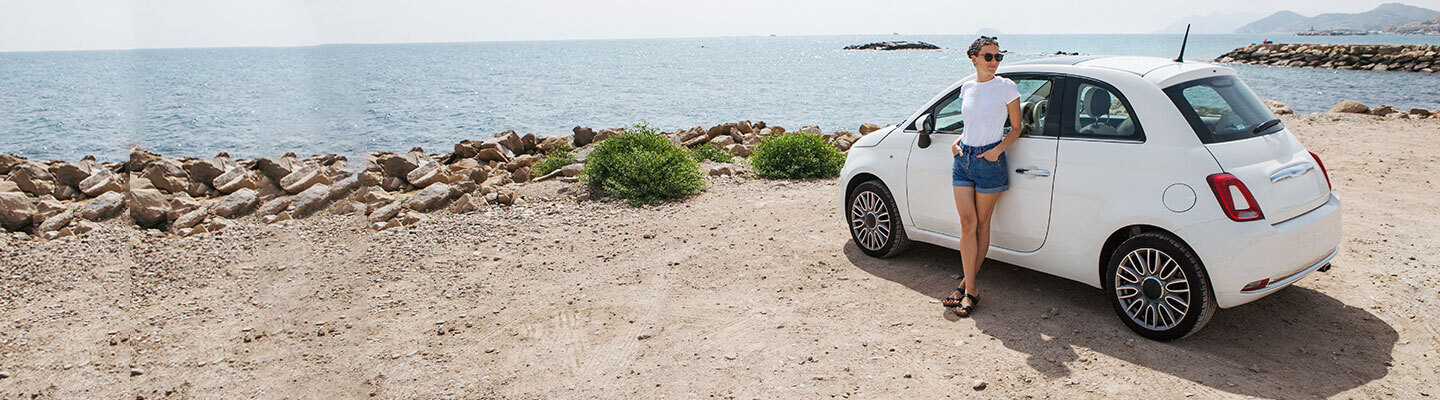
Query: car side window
x=946, y=115
x=1034, y=104
x=1099, y=112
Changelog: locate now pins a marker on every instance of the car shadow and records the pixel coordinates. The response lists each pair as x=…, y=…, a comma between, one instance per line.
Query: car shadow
x=1295, y=342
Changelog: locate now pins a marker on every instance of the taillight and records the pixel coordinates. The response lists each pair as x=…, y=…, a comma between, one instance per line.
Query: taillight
x=1322, y=169
x=1228, y=189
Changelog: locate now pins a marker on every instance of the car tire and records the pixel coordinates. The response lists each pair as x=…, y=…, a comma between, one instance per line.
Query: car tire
x=1158, y=287
x=874, y=221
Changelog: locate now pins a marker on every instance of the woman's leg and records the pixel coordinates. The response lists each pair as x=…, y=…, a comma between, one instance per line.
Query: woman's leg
x=965, y=206
x=984, y=209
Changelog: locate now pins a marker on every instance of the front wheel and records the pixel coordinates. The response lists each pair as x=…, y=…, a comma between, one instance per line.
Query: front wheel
x=1158, y=287
x=874, y=221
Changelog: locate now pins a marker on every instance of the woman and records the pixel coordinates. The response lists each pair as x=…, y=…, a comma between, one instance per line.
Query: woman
x=979, y=173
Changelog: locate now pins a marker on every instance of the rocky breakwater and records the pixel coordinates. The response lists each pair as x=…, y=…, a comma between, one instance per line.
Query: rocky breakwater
x=189, y=196
x=893, y=46
x=1412, y=58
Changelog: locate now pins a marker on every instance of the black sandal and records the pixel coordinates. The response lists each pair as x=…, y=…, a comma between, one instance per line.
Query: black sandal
x=964, y=311
x=953, y=301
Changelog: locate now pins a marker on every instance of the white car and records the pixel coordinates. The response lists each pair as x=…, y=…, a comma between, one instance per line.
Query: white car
x=1168, y=184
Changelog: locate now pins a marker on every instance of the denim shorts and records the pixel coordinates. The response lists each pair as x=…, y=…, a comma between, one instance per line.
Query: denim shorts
x=985, y=176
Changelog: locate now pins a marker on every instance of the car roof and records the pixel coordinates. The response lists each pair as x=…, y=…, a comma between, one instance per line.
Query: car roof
x=1158, y=70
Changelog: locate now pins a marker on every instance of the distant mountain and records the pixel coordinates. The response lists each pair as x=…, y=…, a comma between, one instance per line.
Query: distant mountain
x=1388, y=14
x=1212, y=23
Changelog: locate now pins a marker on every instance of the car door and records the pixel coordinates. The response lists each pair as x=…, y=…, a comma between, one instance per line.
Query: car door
x=1022, y=214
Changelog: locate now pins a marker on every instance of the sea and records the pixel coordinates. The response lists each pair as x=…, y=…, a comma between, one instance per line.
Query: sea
x=350, y=99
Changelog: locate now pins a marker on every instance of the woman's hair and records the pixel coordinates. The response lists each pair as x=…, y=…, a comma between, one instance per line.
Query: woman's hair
x=981, y=42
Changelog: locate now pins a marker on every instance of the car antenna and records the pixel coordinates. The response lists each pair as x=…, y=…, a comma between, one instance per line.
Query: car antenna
x=1181, y=58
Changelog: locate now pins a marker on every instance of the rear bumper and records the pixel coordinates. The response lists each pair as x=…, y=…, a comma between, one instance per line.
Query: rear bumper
x=1236, y=254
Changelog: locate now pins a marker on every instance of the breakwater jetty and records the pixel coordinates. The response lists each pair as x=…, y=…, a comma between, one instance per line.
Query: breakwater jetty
x=1411, y=58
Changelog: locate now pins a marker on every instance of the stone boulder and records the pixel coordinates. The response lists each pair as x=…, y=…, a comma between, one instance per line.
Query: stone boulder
x=1420, y=112
x=722, y=141
x=311, y=200
x=71, y=174
x=8, y=161
x=466, y=149
x=238, y=203
x=33, y=178
x=139, y=159
x=305, y=177
x=1279, y=108
x=583, y=136
x=511, y=141
x=464, y=204
x=201, y=189
x=344, y=187
x=721, y=169
x=103, y=206
x=17, y=211
x=147, y=207
x=167, y=175
x=740, y=150
x=428, y=173
x=530, y=142
x=384, y=213
x=101, y=182
x=606, y=134
x=207, y=170
x=1383, y=110
x=866, y=128
x=553, y=142
x=274, y=206
x=397, y=165
x=572, y=169
x=1350, y=107
x=189, y=219
x=431, y=197
x=236, y=179
x=277, y=169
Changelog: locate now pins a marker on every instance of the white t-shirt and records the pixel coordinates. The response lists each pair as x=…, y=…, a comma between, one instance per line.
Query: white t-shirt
x=985, y=108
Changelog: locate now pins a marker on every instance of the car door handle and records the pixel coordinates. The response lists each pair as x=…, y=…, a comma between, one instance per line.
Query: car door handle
x=1032, y=171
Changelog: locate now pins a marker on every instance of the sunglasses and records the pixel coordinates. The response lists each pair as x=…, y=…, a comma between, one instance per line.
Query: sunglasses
x=993, y=56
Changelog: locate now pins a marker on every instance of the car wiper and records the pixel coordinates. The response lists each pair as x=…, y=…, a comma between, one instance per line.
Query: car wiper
x=1266, y=126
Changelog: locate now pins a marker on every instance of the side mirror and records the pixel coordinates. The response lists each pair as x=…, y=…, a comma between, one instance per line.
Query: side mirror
x=924, y=140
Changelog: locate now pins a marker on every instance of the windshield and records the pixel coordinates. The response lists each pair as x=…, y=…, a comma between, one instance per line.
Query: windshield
x=1222, y=109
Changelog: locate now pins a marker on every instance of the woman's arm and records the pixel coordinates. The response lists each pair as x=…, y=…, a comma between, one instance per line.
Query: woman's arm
x=994, y=154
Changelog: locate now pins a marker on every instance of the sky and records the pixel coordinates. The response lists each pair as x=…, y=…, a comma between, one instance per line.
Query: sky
x=31, y=25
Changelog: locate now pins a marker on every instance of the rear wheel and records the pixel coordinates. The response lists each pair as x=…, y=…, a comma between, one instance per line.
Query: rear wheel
x=1158, y=287
x=874, y=221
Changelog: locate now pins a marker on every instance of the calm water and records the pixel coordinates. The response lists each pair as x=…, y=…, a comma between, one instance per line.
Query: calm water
x=350, y=99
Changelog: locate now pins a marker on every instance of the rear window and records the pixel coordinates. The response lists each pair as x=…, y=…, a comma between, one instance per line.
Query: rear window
x=1222, y=109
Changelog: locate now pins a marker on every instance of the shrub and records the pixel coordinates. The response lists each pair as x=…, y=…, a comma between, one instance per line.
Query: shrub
x=643, y=167
x=711, y=152
x=556, y=158
x=796, y=156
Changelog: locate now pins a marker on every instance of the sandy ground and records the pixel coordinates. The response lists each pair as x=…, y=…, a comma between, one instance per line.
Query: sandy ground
x=751, y=289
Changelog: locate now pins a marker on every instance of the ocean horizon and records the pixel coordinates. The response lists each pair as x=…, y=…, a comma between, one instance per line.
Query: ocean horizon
x=350, y=99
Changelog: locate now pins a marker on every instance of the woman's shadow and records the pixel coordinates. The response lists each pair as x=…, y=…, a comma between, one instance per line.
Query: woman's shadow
x=1296, y=341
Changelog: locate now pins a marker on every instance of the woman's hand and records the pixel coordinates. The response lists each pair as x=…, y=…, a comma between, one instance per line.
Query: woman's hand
x=955, y=148
x=991, y=155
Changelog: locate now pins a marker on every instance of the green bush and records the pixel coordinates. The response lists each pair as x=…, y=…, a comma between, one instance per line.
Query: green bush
x=711, y=152
x=643, y=167
x=556, y=158
x=796, y=156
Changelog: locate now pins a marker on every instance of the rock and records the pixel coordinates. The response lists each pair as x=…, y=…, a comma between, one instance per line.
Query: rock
x=722, y=141
x=344, y=187
x=978, y=384
x=147, y=207
x=66, y=192
x=8, y=161
x=303, y=178
x=522, y=161
x=236, y=179
x=135, y=181
x=70, y=174
x=190, y=219
x=810, y=130
x=385, y=213
x=719, y=130
x=428, y=173
x=521, y=175
x=583, y=136
x=466, y=149
x=374, y=197
x=1383, y=110
x=100, y=182
x=572, y=169
x=1276, y=107
x=721, y=169
x=493, y=151
x=866, y=128
x=500, y=178
x=139, y=159
x=218, y=224
x=33, y=178
x=552, y=142
x=207, y=170
x=606, y=134
x=740, y=150
x=267, y=188
x=311, y=200
x=413, y=218
x=270, y=219
x=103, y=206
x=393, y=184
x=17, y=211
x=8, y=186
x=1350, y=107
x=695, y=141
x=511, y=141
x=466, y=203
x=506, y=197
x=369, y=178
x=431, y=197
x=167, y=175
x=1420, y=112
x=530, y=142
x=136, y=372
x=277, y=169
x=238, y=203
x=56, y=222
x=900, y=45
x=200, y=189
x=397, y=165
x=274, y=206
